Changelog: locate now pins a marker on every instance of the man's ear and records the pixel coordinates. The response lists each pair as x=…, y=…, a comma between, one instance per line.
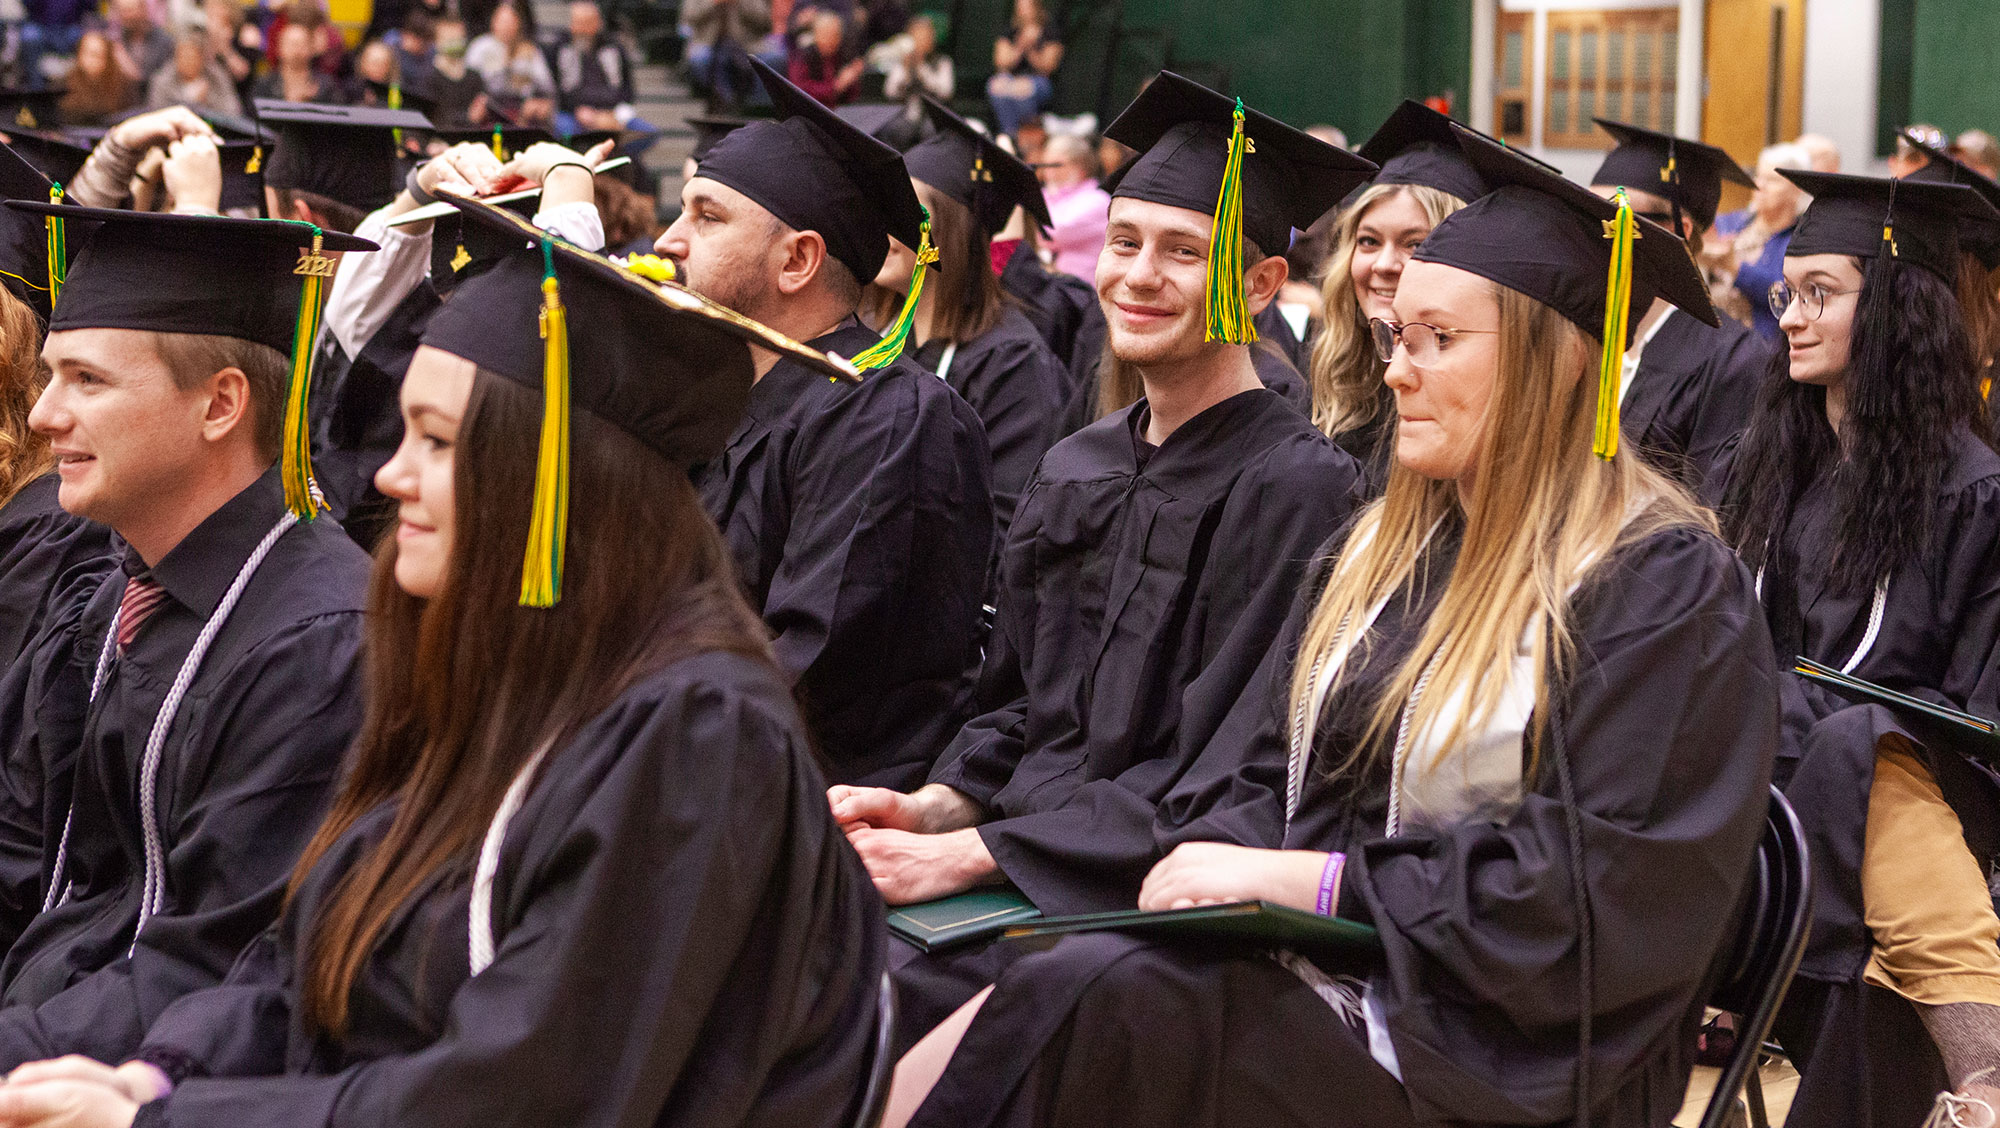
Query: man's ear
x=1262, y=282
x=229, y=408
x=804, y=257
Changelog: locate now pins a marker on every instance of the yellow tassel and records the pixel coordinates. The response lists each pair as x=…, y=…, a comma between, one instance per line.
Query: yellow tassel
x=548, y=528
x=58, y=245
x=1617, y=313
x=1228, y=308
x=256, y=161
x=499, y=146
x=302, y=494
x=885, y=351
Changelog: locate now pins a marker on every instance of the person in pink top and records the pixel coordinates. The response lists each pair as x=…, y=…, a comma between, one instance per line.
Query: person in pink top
x=1077, y=205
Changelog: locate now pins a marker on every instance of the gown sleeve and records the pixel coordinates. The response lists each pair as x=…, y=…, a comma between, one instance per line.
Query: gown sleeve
x=1728, y=396
x=626, y=914
x=1669, y=721
x=241, y=815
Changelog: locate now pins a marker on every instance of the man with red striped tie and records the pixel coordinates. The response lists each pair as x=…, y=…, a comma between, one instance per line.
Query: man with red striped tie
x=177, y=733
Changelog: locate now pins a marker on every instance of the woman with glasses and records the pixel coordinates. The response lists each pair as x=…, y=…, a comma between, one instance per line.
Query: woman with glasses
x=1866, y=496
x=1531, y=651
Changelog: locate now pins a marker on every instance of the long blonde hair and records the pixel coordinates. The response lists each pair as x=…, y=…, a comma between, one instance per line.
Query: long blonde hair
x=1543, y=509
x=1346, y=375
x=24, y=455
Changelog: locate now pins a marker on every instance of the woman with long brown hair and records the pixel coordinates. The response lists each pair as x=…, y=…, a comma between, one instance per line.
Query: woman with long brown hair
x=44, y=551
x=963, y=327
x=1531, y=728
x=581, y=870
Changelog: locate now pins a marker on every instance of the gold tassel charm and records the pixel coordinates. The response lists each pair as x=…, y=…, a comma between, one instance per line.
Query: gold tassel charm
x=885, y=351
x=58, y=245
x=548, y=527
x=1617, y=315
x=1228, y=308
x=302, y=494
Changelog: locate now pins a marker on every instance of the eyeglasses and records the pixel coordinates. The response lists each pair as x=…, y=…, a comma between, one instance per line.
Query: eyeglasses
x=1812, y=299
x=1424, y=342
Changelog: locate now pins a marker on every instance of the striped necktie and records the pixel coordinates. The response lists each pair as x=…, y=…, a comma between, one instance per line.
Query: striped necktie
x=143, y=596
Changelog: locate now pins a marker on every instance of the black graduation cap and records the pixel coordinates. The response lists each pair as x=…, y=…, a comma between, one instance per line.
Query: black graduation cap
x=55, y=156
x=1590, y=259
x=24, y=238
x=242, y=174
x=816, y=172
x=462, y=248
x=969, y=167
x=1182, y=131
x=1980, y=238
x=1684, y=172
x=253, y=279
x=871, y=118
x=711, y=128
x=666, y=366
x=1916, y=221
x=1416, y=146
x=345, y=153
x=31, y=107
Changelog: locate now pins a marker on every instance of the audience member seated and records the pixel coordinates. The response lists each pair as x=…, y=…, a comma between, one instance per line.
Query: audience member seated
x=143, y=47
x=100, y=92
x=1077, y=205
x=593, y=77
x=195, y=80
x=53, y=29
x=918, y=67
x=519, y=83
x=295, y=78
x=329, y=49
x=826, y=67
x=1024, y=65
x=456, y=91
x=720, y=35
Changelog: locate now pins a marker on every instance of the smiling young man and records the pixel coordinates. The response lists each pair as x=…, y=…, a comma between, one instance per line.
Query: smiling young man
x=1688, y=388
x=173, y=755
x=860, y=516
x=1151, y=560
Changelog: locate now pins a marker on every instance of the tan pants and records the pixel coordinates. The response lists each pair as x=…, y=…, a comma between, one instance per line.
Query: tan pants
x=1923, y=896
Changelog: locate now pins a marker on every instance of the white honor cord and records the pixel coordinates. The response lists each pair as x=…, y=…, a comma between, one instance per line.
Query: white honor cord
x=479, y=917
x=944, y=362
x=1876, y=608
x=153, y=891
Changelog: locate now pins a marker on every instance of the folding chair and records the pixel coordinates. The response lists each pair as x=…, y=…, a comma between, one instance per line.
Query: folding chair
x=875, y=1097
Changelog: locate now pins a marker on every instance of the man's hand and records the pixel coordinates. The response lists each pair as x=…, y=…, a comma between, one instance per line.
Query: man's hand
x=466, y=169
x=909, y=868
x=534, y=163
x=932, y=809
x=72, y=1092
x=1214, y=873
x=159, y=128
x=193, y=174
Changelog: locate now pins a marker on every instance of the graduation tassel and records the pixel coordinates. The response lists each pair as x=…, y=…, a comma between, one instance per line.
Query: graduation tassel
x=1228, y=311
x=302, y=496
x=1617, y=312
x=885, y=351
x=499, y=146
x=58, y=245
x=548, y=528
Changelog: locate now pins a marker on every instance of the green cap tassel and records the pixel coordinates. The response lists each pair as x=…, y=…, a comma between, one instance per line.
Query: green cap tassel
x=1617, y=314
x=548, y=529
x=499, y=146
x=1228, y=308
x=58, y=245
x=302, y=494
x=885, y=351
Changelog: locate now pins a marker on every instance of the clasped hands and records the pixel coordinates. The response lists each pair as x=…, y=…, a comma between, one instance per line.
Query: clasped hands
x=77, y=1092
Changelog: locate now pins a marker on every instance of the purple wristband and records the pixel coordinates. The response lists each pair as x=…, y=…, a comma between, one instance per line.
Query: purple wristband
x=1329, y=883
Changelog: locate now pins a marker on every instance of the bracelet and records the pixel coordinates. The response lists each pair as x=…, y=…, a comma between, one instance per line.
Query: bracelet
x=413, y=184
x=567, y=164
x=1329, y=883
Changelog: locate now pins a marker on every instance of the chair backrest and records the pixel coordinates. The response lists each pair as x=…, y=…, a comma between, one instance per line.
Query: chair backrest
x=1772, y=925
x=882, y=1061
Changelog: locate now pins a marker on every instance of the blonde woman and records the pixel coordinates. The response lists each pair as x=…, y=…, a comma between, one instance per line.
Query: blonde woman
x=1424, y=178
x=1541, y=731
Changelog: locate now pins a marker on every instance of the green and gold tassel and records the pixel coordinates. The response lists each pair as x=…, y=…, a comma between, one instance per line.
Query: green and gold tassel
x=1228, y=309
x=499, y=146
x=302, y=495
x=395, y=101
x=58, y=245
x=1617, y=314
x=885, y=351
x=548, y=529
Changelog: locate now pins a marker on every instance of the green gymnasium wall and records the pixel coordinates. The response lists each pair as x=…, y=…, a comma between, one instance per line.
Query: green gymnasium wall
x=1937, y=66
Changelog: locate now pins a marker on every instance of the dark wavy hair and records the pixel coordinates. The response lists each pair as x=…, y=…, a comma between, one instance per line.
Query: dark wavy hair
x=1911, y=382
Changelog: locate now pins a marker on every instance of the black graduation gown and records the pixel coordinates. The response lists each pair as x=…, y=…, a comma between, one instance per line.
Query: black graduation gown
x=1017, y=385
x=681, y=937
x=1940, y=624
x=1669, y=723
x=1062, y=307
x=45, y=552
x=1277, y=373
x=361, y=420
x=1373, y=442
x=1128, y=571
x=1272, y=326
x=1693, y=394
x=860, y=517
x=244, y=777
